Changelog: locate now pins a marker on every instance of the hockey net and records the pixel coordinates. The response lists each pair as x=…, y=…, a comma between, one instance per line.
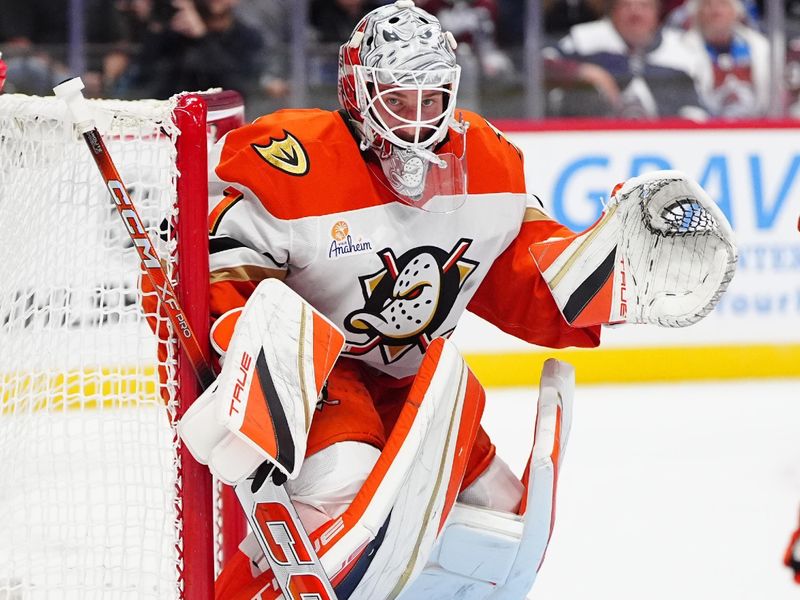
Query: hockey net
x=98, y=499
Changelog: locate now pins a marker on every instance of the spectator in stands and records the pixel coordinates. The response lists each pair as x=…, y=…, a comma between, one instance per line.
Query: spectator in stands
x=137, y=18
x=272, y=19
x=635, y=69
x=793, y=78
x=473, y=23
x=34, y=36
x=668, y=6
x=334, y=20
x=331, y=22
x=561, y=15
x=195, y=45
x=681, y=13
x=137, y=21
x=511, y=23
x=792, y=9
x=733, y=73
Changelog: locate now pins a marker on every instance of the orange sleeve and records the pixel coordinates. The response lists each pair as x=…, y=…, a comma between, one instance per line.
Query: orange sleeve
x=228, y=295
x=515, y=298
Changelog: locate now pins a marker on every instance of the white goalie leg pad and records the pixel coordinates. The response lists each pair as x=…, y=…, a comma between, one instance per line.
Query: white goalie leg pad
x=661, y=253
x=486, y=554
x=417, y=475
x=378, y=545
x=422, y=480
x=261, y=405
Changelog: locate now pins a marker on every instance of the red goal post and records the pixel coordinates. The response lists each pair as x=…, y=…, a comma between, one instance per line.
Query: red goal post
x=202, y=119
x=101, y=499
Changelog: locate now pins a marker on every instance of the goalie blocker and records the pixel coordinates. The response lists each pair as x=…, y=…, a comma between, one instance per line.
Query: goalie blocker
x=260, y=407
x=403, y=527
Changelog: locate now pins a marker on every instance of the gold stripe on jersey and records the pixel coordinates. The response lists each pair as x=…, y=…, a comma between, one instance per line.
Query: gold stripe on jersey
x=246, y=273
x=535, y=214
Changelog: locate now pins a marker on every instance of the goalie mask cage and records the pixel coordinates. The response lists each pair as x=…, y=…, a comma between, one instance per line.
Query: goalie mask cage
x=99, y=500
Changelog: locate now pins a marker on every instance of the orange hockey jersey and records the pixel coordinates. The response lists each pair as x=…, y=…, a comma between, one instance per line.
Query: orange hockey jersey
x=293, y=197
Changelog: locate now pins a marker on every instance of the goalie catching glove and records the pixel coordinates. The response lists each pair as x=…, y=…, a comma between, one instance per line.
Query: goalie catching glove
x=662, y=252
x=261, y=405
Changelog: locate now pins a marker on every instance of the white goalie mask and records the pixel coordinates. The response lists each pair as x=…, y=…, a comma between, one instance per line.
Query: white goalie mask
x=398, y=81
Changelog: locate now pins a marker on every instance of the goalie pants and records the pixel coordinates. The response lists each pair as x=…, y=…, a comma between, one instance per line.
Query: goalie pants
x=360, y=404
x=355, y=416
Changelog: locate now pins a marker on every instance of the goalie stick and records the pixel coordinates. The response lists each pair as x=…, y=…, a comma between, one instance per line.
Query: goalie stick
x=294, y=563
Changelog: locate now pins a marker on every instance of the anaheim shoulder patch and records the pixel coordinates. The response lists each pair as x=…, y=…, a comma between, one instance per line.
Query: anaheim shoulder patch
x=286, y=154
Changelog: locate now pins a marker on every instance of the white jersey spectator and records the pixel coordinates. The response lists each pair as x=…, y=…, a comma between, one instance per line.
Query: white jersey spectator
x=733, y=60
x=641, y=70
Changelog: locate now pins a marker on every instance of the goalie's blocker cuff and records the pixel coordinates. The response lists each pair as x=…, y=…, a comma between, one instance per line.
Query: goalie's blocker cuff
x=261, y=405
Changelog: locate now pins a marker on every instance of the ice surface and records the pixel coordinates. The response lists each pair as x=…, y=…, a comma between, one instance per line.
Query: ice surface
x=668, y=492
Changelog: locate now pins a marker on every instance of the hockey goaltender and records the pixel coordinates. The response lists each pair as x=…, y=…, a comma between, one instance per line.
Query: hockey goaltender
x=345, y=245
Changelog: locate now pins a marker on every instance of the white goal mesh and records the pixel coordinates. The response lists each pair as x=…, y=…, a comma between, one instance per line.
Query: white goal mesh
x=90, y=505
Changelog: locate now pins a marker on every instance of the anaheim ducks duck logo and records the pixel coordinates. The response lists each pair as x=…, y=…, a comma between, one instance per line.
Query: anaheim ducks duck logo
x=286, y=154
x=408, y=299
